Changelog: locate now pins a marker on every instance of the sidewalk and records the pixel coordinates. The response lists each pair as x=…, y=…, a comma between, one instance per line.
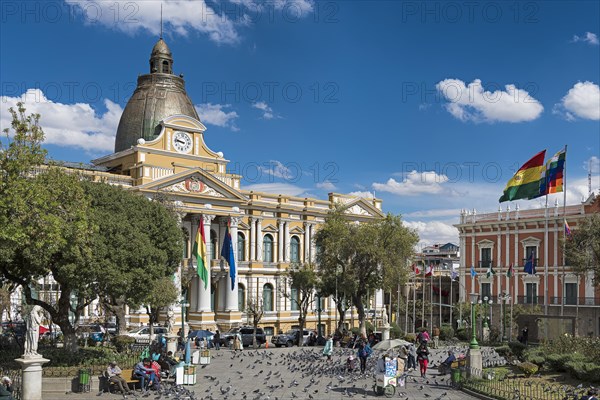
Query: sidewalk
x=284, y=374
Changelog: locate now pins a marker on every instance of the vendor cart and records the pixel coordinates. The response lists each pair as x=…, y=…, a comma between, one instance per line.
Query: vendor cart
x=388, y=378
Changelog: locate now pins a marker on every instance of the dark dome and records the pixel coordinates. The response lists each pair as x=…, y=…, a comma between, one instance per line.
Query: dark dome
x=157, y=96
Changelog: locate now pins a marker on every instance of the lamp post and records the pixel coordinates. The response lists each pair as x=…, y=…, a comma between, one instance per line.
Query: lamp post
x=319, y=333
x=486, y=304
x=184, y=304
x=506, y=297
x=473, y=344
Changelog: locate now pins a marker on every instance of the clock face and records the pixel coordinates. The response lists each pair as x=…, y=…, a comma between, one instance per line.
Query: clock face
x=182, y=142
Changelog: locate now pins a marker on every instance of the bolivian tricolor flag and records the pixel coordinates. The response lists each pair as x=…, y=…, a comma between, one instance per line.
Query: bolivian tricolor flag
x=525, y=184
x=199, y=252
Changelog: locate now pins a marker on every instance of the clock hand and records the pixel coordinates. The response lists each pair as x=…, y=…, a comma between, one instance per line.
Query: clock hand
x=179, y=141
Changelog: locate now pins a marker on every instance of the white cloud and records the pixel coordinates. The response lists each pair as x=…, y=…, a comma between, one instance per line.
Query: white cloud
x=279, y=170
x=594, y=163
x=181, y=17
x=433, y=232
x=366, y=195
x=278, y=188
x=413, y=184
x=264, y=107
x=473, y=103
x=326, y=185
x=582, y=100
x=451, y=212
x=214, y=114
x=589, y=38
x=68, y=125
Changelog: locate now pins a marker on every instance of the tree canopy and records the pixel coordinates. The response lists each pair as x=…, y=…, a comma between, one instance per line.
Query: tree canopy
x=362, y=257
x=95, y=240
x=582, y=247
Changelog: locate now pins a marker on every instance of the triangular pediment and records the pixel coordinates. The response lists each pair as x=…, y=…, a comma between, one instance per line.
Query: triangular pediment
x=297, y=230
x=269, y=228
x=362, y=207
x=194, y=183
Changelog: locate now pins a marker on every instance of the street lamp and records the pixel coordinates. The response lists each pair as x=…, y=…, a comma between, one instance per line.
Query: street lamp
x=506, y=297
x=183, y=304
x=319, y=333
x=473, y=345
x=486, y=303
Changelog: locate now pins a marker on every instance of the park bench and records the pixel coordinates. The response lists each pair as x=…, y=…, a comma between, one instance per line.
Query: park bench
x=127, y=374
x=461, y=362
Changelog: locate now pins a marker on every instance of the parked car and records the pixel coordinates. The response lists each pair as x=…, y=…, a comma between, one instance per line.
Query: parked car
x=247, y=333
x=289, y=338
x=142, y=334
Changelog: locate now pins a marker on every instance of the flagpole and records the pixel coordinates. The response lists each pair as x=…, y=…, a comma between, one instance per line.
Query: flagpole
x=562, y=290
x=423, y=283
x=440, y=297
x=451, y=300
x=414, y=313
x=431, y=298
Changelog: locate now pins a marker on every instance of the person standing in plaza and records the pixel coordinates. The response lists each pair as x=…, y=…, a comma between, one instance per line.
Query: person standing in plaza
x=423, y=359
x=364, y=351
x=402, y=359
x=217, y=340
x=412, y=357
x=328, y=349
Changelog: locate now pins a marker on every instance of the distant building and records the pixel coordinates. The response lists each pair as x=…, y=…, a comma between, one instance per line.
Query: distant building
x=511, y=237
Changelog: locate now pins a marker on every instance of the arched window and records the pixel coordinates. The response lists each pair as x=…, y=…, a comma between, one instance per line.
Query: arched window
x=268, y=297
x=165, y=67
x=295, y=249
x=213, y=245
x=294, y=300
x=241, y=247
x=241, y=297
x=268, y=248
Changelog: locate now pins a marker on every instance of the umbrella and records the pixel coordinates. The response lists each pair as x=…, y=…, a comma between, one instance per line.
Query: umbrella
x=201, y=333
x=390, y=344
x=188, y=353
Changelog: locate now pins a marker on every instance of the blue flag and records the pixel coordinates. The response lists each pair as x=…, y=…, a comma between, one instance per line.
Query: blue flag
x=227, y=254
x=473, y=272
x=530, y=265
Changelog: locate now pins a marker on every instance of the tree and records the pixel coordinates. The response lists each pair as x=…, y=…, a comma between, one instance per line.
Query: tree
x=138, y=243
x=303, y=279
x=582, y=247
x=366, y=253
x=162, y=293
x=255, y=310
x=91, y=238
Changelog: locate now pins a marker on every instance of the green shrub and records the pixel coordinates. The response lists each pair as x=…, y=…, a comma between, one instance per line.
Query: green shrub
x=463, y=334
x=528, y=368
x=504, y=351
x=586, y=371
x=396, y=332
x=123, y=343
x=535, y=355
x=557, y=362
x=410, y=337
x=446, y=332
x=517, y=348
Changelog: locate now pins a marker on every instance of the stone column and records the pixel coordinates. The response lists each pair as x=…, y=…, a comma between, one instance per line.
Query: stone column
x=251, y=221
x=223, y=286
x=31, y=382
x=286, y=237
x=313, y=249
x=280, y=244
x=259, y=240
x=231, y=298
x=204, y=293
x=306, y=241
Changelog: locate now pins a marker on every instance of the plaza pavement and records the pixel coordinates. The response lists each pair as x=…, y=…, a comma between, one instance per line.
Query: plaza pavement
x=284, y=374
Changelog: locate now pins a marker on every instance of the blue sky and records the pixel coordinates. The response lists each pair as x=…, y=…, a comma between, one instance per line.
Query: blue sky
x=431, y=106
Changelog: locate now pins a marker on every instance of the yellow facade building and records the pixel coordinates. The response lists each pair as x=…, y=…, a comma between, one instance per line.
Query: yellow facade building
x=160, y=148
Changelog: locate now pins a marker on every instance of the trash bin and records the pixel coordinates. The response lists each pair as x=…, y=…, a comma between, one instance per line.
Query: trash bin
x=84, y=380
x=455, y=375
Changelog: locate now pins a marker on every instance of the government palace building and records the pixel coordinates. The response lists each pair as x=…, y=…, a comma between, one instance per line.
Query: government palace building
x=160, y=148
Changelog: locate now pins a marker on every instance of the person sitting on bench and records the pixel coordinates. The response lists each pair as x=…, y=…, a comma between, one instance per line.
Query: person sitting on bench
x=445, y=366
x=143, y=370
x=113, y=373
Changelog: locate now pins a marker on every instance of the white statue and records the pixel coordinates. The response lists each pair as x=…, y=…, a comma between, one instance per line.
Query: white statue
x=384, y=317
x=170, y=319
x=33, y=321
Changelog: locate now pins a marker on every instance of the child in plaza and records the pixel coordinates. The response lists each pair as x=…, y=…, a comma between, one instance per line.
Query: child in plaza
x=6, y=389
x=351, y=363
x=328, y=349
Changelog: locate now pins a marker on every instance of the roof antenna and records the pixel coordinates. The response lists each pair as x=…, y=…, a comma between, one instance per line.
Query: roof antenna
x=161, y=22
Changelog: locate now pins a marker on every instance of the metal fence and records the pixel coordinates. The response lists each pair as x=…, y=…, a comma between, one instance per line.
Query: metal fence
x=523, y=389
x=15, y=376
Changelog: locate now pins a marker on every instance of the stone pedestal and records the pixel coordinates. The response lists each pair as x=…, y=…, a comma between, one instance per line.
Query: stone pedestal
x=385, y=332
x=171, y=342
x=475, y=362
x=31, y=383
x=486, y=334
